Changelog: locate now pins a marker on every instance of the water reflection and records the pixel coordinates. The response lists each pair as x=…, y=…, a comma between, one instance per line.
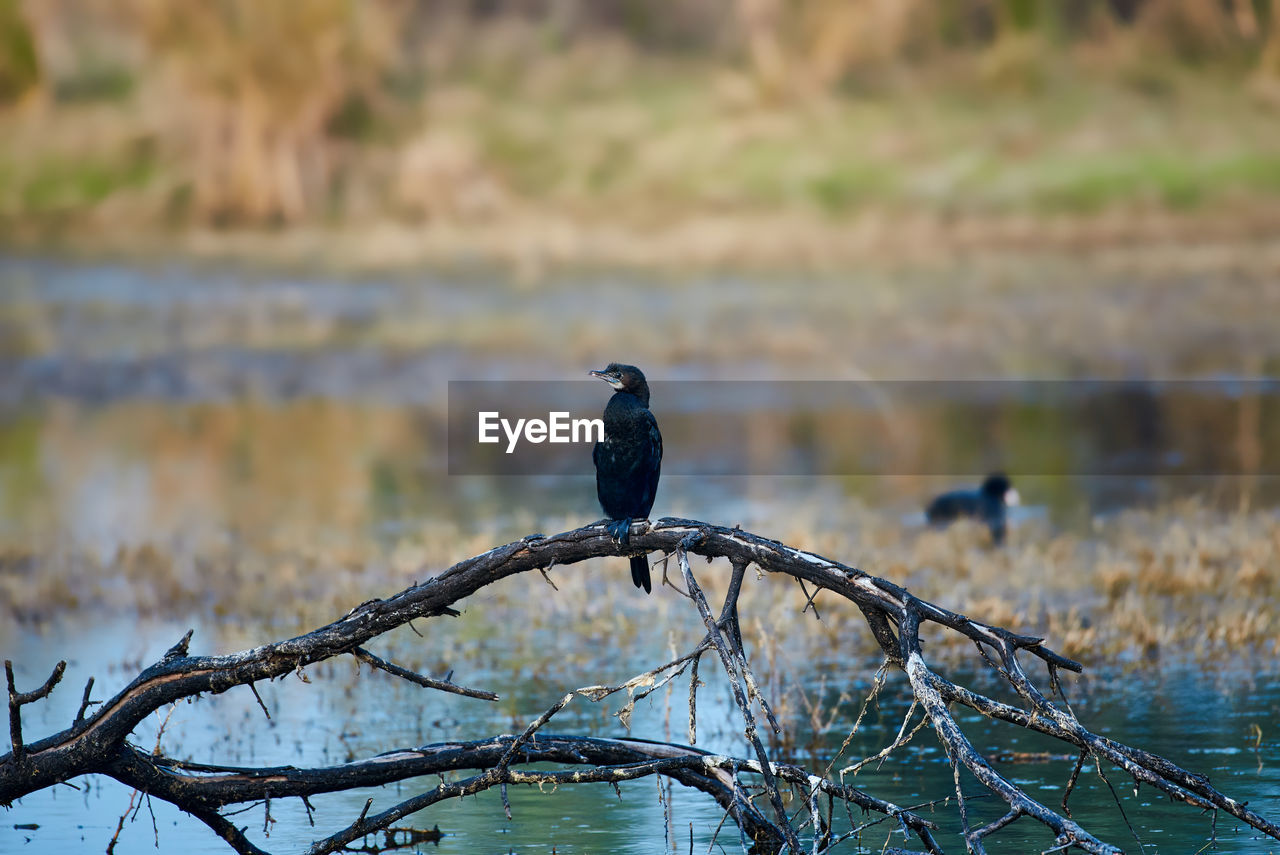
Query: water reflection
x=132, y=473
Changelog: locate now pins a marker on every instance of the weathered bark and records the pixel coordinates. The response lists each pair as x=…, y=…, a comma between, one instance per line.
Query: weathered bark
x=98, y=743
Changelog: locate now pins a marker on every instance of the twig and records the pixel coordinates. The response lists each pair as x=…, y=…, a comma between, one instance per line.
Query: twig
x=257, y=697
x=115, y=838
x=17, y=700
x=1071, y=781
x=531, y=730
x=809, y=600
x=84, y=702
x=693, y=701
x=900, y=740
x=225, y=829
x=414, y=677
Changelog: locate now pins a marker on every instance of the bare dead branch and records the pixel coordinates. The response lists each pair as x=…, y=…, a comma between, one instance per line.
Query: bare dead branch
x=98, y=742
x=900, y=740
x=617, y=760
x=1071, y=781
x=731, y=663
x=445, y=685
x=17, y=700
x=961, y=751
x=693, y=700
x=115, y=838
x=84, y=701
x=227, y=830
x=261, y=703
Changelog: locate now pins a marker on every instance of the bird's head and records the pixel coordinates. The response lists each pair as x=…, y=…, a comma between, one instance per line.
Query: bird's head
x=624, y=378
x=997, y=486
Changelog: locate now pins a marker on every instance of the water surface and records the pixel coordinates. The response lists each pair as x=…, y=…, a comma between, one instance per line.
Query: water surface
x=249, y=455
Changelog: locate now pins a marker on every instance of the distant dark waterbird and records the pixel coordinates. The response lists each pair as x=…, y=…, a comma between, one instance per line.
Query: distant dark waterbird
x=987, y=504
x=628, y=460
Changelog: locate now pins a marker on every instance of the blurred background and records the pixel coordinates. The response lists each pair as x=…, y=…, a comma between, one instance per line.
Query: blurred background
x=245, y=246
x=796, y=132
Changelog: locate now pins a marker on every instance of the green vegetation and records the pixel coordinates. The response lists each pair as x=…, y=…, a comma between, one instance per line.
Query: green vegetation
x=19, y=64
x=600, y=126
x=58, y=186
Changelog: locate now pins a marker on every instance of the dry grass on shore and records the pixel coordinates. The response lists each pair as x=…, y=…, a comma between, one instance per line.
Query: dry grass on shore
x=532, y=246
x=1182, y=580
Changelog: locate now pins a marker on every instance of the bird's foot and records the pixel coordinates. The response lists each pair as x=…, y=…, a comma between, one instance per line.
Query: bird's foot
x=620, y=531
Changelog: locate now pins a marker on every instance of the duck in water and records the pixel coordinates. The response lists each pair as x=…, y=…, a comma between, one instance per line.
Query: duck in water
x=988, y=504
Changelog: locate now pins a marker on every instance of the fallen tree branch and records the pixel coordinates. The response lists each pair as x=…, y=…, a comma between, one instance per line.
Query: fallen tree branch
x=206, y=787
x=98, y=742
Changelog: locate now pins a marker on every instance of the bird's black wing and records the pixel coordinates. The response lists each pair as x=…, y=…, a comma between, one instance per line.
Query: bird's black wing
x=652, y=462
x=954, y=505
x=602, y=479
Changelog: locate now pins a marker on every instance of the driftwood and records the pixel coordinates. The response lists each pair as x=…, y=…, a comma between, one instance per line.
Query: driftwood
x=778, y=806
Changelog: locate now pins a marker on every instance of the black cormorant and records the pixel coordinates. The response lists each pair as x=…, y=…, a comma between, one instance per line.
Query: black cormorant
x=987, y=503
x=628, y=460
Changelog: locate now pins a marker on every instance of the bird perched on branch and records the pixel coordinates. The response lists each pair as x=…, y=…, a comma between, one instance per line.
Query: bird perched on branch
x=987, y=503
x=628, y=460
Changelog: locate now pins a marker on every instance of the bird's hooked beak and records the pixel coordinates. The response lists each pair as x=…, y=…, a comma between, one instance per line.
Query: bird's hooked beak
x=613, y=378
x=1011, y=498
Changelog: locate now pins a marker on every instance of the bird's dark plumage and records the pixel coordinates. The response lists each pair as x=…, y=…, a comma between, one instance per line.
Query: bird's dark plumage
x=629, y=459
x=987, y=503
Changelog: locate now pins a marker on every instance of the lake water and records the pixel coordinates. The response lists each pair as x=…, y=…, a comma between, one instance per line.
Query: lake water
x=245, y=426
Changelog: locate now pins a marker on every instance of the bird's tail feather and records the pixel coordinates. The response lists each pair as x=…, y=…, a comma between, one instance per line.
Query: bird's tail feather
x=640, y=573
